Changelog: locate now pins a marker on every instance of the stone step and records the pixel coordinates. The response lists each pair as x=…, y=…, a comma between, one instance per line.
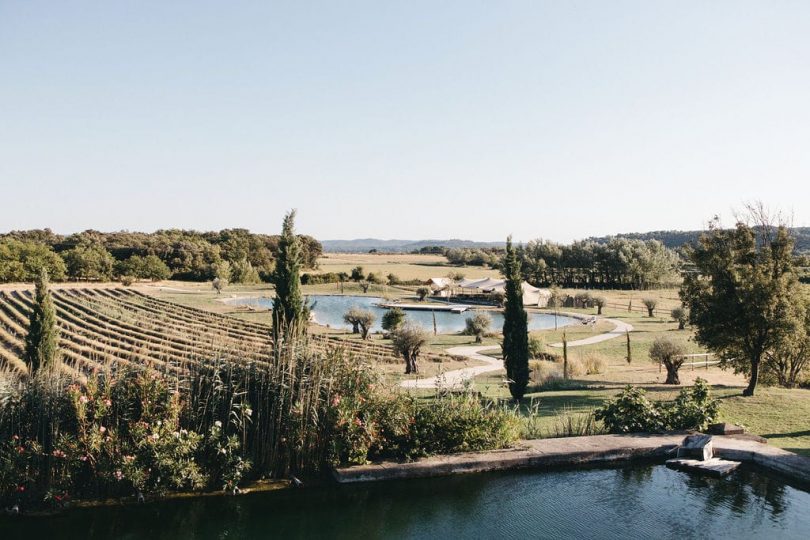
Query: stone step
x=714, y=467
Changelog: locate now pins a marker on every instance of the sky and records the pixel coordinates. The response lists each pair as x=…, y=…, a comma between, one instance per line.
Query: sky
x=437, y=119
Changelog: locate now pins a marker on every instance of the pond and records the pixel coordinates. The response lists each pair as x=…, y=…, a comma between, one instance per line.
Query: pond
x=637, y=502
x=329, y=310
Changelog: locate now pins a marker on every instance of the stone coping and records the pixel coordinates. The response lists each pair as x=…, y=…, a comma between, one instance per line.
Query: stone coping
x=579, y=451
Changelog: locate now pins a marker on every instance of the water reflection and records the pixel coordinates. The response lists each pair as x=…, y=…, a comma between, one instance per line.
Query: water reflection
x=642, y=501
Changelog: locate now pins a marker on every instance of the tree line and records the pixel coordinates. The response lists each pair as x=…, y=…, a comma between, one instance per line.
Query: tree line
x=235, y=255
x=620, y=263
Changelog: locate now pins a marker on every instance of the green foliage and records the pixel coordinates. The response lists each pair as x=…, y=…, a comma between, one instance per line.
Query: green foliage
x=694, y=408
x=361, y=320
x=22, y=260
x=477, y=325
x=408, y=341
x=393, y=319
x=670, y=354
x=650, y=304
x=618, y=263
x=394, y=279
x=681, y=315
x=743, y=296
x=289, y=311
x=515, y=325
x=357, y=274
x=148, y=267
x=242, y=271
x=89, y=261
x=42, y=340
x=422, y=293
x=375, y=278
x=537, y=348
x=632, y=412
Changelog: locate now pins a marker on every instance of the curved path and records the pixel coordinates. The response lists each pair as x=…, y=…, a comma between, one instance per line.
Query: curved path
x=456, y=378
x=620, y=328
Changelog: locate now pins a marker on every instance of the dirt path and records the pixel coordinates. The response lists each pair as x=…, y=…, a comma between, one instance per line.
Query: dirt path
x=619, y=329
x=456, y=378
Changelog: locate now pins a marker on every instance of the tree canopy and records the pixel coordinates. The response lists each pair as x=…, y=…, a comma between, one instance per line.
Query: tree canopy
x=743, y=295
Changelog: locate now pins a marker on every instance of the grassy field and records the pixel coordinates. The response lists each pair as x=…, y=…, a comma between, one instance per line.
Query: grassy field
x=779, y=414
x=405, y=266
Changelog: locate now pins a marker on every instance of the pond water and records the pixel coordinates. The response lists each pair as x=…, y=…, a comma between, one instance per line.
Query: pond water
x=329, y=310
x=638, y=502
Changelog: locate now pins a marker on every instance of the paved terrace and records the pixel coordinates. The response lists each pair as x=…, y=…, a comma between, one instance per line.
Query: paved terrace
x=573, y=451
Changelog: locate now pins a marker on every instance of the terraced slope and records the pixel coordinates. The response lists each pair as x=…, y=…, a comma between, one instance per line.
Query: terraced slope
x=100, y=327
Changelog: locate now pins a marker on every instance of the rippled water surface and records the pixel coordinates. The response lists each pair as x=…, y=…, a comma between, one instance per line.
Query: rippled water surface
x=329, y=310
x=638, y=502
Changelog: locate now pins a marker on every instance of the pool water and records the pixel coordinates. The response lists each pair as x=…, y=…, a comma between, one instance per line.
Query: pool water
x=636, y=502
x=329, y=310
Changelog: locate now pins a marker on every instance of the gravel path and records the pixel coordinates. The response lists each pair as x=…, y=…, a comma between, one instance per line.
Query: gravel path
x=620, y=328
x=456, y=378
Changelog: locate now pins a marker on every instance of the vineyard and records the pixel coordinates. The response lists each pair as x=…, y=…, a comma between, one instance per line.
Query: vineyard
x=121, y=327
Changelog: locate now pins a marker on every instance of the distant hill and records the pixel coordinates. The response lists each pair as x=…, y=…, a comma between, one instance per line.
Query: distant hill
x=362, y=245
x=676, y=239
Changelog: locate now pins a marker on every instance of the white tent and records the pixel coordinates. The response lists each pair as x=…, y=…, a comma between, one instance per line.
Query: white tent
x=532, y=296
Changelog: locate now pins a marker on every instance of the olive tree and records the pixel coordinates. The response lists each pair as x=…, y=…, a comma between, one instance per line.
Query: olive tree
x=650, y=304
x=408, y=341
x=599, y=302
x=679, y=314
x=671, y=355
x=361, y=320
x=422, y=293
x=478, y=325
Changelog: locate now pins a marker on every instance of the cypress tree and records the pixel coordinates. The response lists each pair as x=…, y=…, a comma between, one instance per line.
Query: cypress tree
x=515, y=325
x=42, y=341
x=289, y=311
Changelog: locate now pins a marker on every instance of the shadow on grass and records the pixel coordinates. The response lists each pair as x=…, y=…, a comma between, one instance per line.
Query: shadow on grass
x=805, y=433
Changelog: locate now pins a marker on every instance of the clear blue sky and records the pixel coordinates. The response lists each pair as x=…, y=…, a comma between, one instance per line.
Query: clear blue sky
x=465, y=119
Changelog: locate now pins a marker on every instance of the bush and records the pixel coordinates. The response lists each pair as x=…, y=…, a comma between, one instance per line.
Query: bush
x=568, y=423
x=537, y=348
x=461, y=423
x=632, y=412
x=543, y=371
x=127, y=281
x=393, y=279
x=694, y=408
x=593, y=363
x=600, y=302
x=392, y=319
x=477, y=325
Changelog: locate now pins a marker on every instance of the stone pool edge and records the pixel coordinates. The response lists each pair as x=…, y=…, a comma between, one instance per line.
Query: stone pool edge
x=579, y=451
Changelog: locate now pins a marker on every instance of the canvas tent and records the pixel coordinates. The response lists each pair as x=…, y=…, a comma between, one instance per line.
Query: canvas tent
x=532, y=296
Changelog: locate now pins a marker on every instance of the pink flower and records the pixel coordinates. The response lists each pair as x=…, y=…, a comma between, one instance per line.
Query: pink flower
x=108, y=402
x=102, y=429
x=58, y=453
x=83, y=399
x=119, y=475
x=336, y=400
